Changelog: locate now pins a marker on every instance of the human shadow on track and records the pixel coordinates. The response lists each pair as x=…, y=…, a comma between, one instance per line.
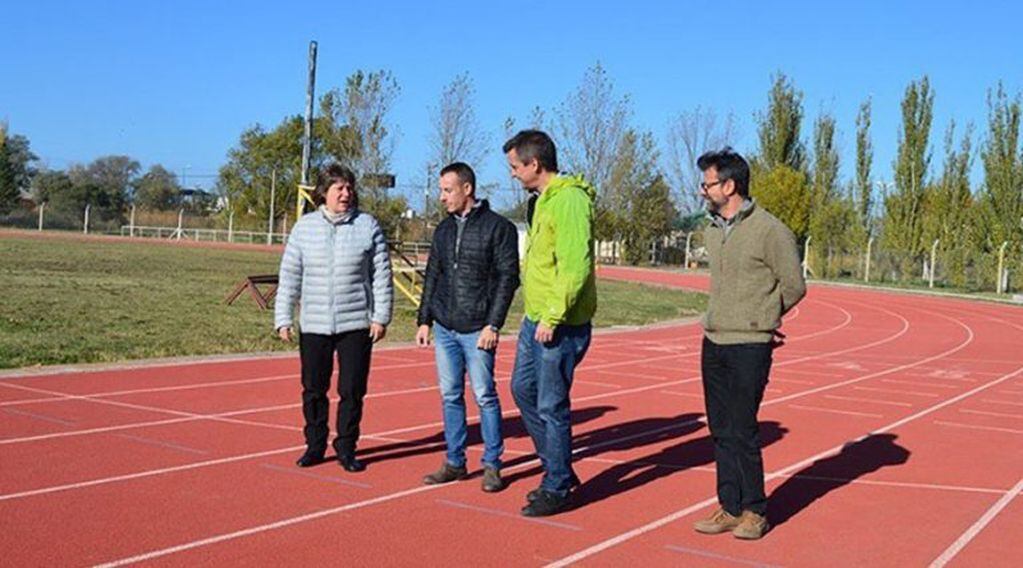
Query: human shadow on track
x=671, y=460
x=511, y=427
x=621, y=436
x=825, y=475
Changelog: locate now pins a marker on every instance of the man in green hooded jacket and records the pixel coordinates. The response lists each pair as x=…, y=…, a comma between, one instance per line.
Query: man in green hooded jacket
x=560, y=298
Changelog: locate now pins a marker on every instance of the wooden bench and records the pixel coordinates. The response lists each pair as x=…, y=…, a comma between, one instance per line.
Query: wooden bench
x=251, y=283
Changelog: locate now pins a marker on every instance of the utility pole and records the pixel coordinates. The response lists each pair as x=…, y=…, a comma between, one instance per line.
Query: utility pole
x=270, y=221
x=426, y=193
x=307, y=139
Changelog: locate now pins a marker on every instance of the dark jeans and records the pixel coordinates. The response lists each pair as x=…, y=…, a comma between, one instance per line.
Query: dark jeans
x=734, y=378
x=540, y=383
x=353, y=355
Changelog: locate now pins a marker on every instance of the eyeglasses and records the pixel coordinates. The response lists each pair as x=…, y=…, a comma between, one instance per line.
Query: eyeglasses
x=705, y=186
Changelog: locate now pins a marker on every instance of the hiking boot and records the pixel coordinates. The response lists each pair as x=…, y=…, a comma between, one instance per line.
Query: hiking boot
x=545, y=504
x=751, y=526
x=446, y=474
x=721, y=521
x=492, y=482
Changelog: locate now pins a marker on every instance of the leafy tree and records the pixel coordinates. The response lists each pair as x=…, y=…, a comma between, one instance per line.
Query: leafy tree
x=641, y=210
x=829, y=213
x=779, y=126
x=158, y=190
x=1001, y=214
x=864, y=161
x=16, y=168
x=778, y=179
x=785, y=192
x=949, y=210
x=903, y=223
x=351, y=130
x=105, y=184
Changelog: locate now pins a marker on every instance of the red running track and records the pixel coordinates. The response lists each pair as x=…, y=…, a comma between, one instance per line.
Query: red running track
x=893, y=430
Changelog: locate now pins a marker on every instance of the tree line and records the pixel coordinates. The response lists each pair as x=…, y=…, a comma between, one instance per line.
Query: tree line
x=646, y=187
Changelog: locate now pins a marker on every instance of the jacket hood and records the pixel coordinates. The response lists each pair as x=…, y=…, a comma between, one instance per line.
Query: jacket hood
x=560, y=181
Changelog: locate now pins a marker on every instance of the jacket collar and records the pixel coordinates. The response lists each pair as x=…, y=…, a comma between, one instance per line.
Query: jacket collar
x=341, y=219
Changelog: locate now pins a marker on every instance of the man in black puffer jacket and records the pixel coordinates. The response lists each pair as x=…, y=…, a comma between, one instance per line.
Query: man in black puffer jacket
x=471, y=277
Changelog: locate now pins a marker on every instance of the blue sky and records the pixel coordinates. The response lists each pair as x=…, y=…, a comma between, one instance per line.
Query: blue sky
x=176, y=83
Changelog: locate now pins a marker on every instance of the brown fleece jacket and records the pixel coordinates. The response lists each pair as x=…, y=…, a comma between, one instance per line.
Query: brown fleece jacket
x=755, y=277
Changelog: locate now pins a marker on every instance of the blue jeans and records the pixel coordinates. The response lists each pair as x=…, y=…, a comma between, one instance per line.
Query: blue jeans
x=456, y=353
x=540, y=384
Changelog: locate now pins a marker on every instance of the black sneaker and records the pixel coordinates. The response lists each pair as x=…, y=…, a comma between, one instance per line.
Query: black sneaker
x=545, y=504
x=310, y=458
x=532, y=495
x=350, y=464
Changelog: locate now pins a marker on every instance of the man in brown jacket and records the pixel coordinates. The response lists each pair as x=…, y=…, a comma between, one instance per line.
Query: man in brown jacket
x=755, y=278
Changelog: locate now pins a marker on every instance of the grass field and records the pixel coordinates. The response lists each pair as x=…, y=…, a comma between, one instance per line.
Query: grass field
x=66, y=300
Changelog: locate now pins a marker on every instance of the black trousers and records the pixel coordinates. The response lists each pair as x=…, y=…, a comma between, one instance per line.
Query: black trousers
x=353, y=350
x=734, y=379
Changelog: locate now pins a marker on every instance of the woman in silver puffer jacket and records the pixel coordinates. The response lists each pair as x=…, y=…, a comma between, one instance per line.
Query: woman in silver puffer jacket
x=337, y=266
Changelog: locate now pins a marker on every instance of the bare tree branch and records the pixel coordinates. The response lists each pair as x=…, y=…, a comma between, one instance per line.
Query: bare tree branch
x=690, y=134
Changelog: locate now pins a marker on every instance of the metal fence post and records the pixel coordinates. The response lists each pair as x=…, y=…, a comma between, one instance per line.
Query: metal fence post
x=866, y=270
x=1001, y=263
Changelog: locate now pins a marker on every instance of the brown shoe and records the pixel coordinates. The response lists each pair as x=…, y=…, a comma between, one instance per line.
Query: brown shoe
x=721, y=521
x=751, y=526
x=445, y=474
x=492, y=482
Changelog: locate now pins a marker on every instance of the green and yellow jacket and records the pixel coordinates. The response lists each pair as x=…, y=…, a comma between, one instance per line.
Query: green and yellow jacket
x=558, y=274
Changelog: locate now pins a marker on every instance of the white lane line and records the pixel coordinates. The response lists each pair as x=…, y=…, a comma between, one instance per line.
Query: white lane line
x=976, y=427
x=162, y=444
x=916, y=384
x=1003, y=402
x=184, y=417
x=688, y=394
x=793, y=381
x=972, y=532
x=37, y=416
x=297, y=472
x=500, y=513
x=985, y=413
x=897, y=391
x=903, y=484
x=716, y=556
x=833, y=411
x=867, y=400
x=148, y=473
x=211, y=384
x=597, y=383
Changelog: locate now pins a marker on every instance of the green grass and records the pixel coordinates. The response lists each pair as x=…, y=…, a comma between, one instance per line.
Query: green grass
x=70, y=301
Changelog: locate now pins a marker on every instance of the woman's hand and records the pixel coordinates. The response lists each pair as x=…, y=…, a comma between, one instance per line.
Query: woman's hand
x=285, y=334
x=377, y=331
